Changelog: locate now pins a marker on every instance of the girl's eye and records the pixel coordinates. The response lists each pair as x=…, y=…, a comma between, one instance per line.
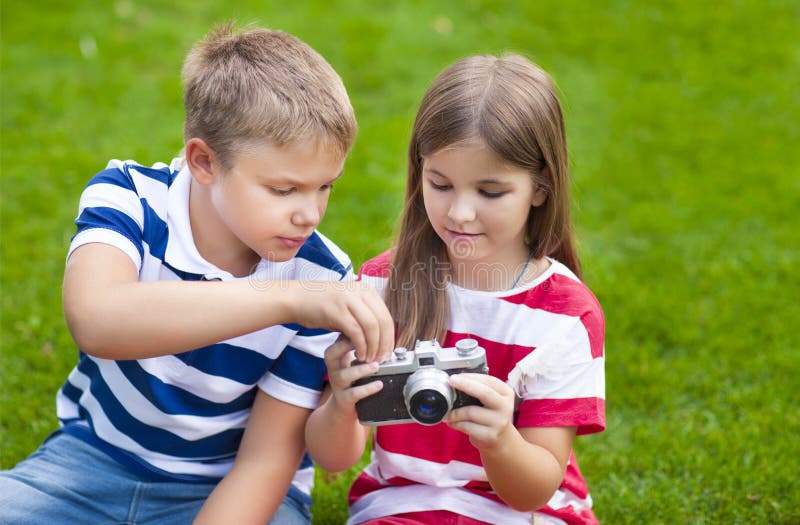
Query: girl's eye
x=281, y=192
x=439, y=187
x=492, y=194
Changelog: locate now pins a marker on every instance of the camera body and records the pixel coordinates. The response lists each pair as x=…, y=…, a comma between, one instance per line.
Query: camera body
x=415, y=386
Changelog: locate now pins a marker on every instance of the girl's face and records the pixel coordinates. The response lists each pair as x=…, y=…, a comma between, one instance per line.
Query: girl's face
x=478, y=204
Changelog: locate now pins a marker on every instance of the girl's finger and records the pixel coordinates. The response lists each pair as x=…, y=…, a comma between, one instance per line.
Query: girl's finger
x=358, y=393
x=346, y=375
x=341, y=347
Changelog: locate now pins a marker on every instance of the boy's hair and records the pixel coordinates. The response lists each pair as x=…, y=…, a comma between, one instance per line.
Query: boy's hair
x=511, y=105
x=259, y=84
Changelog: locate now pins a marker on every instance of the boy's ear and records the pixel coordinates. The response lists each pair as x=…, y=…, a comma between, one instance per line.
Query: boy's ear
x=202, y=161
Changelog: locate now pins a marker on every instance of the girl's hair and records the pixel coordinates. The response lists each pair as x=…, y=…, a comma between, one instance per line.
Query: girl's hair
x=256, y=84
x=510, y=105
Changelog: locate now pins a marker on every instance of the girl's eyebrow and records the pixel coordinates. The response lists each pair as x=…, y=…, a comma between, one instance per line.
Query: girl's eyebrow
x=435, y=172
x=493, y=181
x=490, y=180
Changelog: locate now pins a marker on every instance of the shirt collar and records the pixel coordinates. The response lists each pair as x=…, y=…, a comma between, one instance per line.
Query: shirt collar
x=181, y=252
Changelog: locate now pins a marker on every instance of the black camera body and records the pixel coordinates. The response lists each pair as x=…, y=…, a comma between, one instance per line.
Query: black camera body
x=415, y=386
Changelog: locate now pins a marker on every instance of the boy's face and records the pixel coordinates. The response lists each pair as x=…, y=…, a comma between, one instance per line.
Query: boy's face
x=273, y=198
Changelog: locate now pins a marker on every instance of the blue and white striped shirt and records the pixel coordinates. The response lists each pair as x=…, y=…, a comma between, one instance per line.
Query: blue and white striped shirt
x=182, y=416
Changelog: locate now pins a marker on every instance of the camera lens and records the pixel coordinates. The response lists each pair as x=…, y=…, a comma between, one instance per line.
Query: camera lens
x=428, y=396
x=428, y=407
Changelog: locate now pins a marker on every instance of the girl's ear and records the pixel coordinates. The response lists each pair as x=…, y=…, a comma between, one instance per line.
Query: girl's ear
x=539, y=193
x=202, y=161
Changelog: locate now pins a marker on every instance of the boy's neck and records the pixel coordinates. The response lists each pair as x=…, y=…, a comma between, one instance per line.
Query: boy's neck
x=213, y=240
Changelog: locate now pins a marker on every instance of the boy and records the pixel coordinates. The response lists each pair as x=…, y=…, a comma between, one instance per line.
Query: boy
x=188, y=290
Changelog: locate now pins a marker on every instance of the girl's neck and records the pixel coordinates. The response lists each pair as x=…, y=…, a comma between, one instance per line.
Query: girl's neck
x=497, y=275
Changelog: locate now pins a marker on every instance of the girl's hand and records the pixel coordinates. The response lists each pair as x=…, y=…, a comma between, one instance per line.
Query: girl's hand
x=341, y=374
x=485, y=425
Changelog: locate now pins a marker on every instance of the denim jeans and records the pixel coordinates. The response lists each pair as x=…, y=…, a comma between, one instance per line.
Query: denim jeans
x=69, y=481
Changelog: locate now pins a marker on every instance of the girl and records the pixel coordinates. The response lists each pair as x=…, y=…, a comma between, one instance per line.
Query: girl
x=485, y=251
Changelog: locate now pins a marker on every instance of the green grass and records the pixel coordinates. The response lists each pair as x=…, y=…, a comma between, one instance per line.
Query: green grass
x=683, y=119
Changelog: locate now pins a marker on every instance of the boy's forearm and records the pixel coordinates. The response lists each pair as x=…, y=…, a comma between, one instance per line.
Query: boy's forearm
x=334, y=437
x=245, y=496
x=266, y=462
x=147, y=319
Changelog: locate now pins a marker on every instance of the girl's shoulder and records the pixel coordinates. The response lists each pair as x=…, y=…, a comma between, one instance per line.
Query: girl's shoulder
x=379, y=266
x=560, y=289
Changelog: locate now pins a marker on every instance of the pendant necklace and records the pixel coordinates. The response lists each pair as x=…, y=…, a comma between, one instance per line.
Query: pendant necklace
x=525, y=267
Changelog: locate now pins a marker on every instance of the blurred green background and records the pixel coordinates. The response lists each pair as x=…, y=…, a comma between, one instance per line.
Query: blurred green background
x=684, y=122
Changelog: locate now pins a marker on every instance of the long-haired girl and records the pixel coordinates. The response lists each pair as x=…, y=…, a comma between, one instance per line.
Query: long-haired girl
x=485, y=251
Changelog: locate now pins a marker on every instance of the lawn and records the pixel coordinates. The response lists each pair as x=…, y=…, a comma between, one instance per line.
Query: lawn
x=684, y=122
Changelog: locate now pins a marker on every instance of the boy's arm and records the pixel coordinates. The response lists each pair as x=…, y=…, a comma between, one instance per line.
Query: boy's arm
x=114, y=316
x=265, y=464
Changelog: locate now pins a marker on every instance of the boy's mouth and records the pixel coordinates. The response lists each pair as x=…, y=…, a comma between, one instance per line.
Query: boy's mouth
x=293, y=242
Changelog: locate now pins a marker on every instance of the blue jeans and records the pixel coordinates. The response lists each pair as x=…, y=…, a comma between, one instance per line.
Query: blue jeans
x=69, y=481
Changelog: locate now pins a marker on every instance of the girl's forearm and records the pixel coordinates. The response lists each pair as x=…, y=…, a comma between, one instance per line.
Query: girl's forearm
x=334, y=437
x=523, y=474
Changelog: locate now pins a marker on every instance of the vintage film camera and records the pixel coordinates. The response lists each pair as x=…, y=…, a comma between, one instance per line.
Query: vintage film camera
x=415, y=386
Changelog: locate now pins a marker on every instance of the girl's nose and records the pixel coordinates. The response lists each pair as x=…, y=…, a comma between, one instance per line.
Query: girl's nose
x=461, y=211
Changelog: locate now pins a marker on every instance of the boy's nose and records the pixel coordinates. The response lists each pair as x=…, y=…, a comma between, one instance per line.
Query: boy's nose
x=307, y=215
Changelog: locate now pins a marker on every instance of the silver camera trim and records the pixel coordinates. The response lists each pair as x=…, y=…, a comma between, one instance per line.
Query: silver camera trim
x=428, y=378
x=466, y=353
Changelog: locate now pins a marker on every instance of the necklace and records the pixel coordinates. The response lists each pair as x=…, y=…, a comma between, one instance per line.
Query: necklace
x=525, y=267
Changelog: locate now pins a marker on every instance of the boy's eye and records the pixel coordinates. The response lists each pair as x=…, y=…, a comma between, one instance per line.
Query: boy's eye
x=280, y=192
x=326, y=187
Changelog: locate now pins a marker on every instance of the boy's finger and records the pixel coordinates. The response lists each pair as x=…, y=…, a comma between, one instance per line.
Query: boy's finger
x=369, y=328
x=352, y=330
x=386, y=338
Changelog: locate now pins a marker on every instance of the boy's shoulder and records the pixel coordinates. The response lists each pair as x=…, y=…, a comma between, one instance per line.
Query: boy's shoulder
x=121, y=171
x=379, y=266
x=323, y=253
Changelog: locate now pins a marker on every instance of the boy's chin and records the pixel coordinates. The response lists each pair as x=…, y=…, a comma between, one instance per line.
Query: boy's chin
x=280, y=256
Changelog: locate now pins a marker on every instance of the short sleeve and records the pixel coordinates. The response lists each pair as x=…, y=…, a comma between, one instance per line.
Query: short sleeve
x=298, y=375
x=566, y=387
x=110, y=212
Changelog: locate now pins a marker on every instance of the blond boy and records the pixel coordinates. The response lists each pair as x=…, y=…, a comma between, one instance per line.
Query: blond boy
x=201, y=298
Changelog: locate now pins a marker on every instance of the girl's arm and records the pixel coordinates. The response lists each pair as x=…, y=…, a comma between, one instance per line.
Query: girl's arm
x=524, y=466
x=334, y=436
x=265, y=464
x=114, y=316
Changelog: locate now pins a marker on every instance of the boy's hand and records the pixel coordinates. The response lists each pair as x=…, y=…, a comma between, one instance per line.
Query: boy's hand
x=341, y=374
x=353, y=308
x=485, y=425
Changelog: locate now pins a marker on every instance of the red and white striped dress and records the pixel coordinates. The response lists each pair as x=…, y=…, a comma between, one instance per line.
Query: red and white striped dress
x=418, y=468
